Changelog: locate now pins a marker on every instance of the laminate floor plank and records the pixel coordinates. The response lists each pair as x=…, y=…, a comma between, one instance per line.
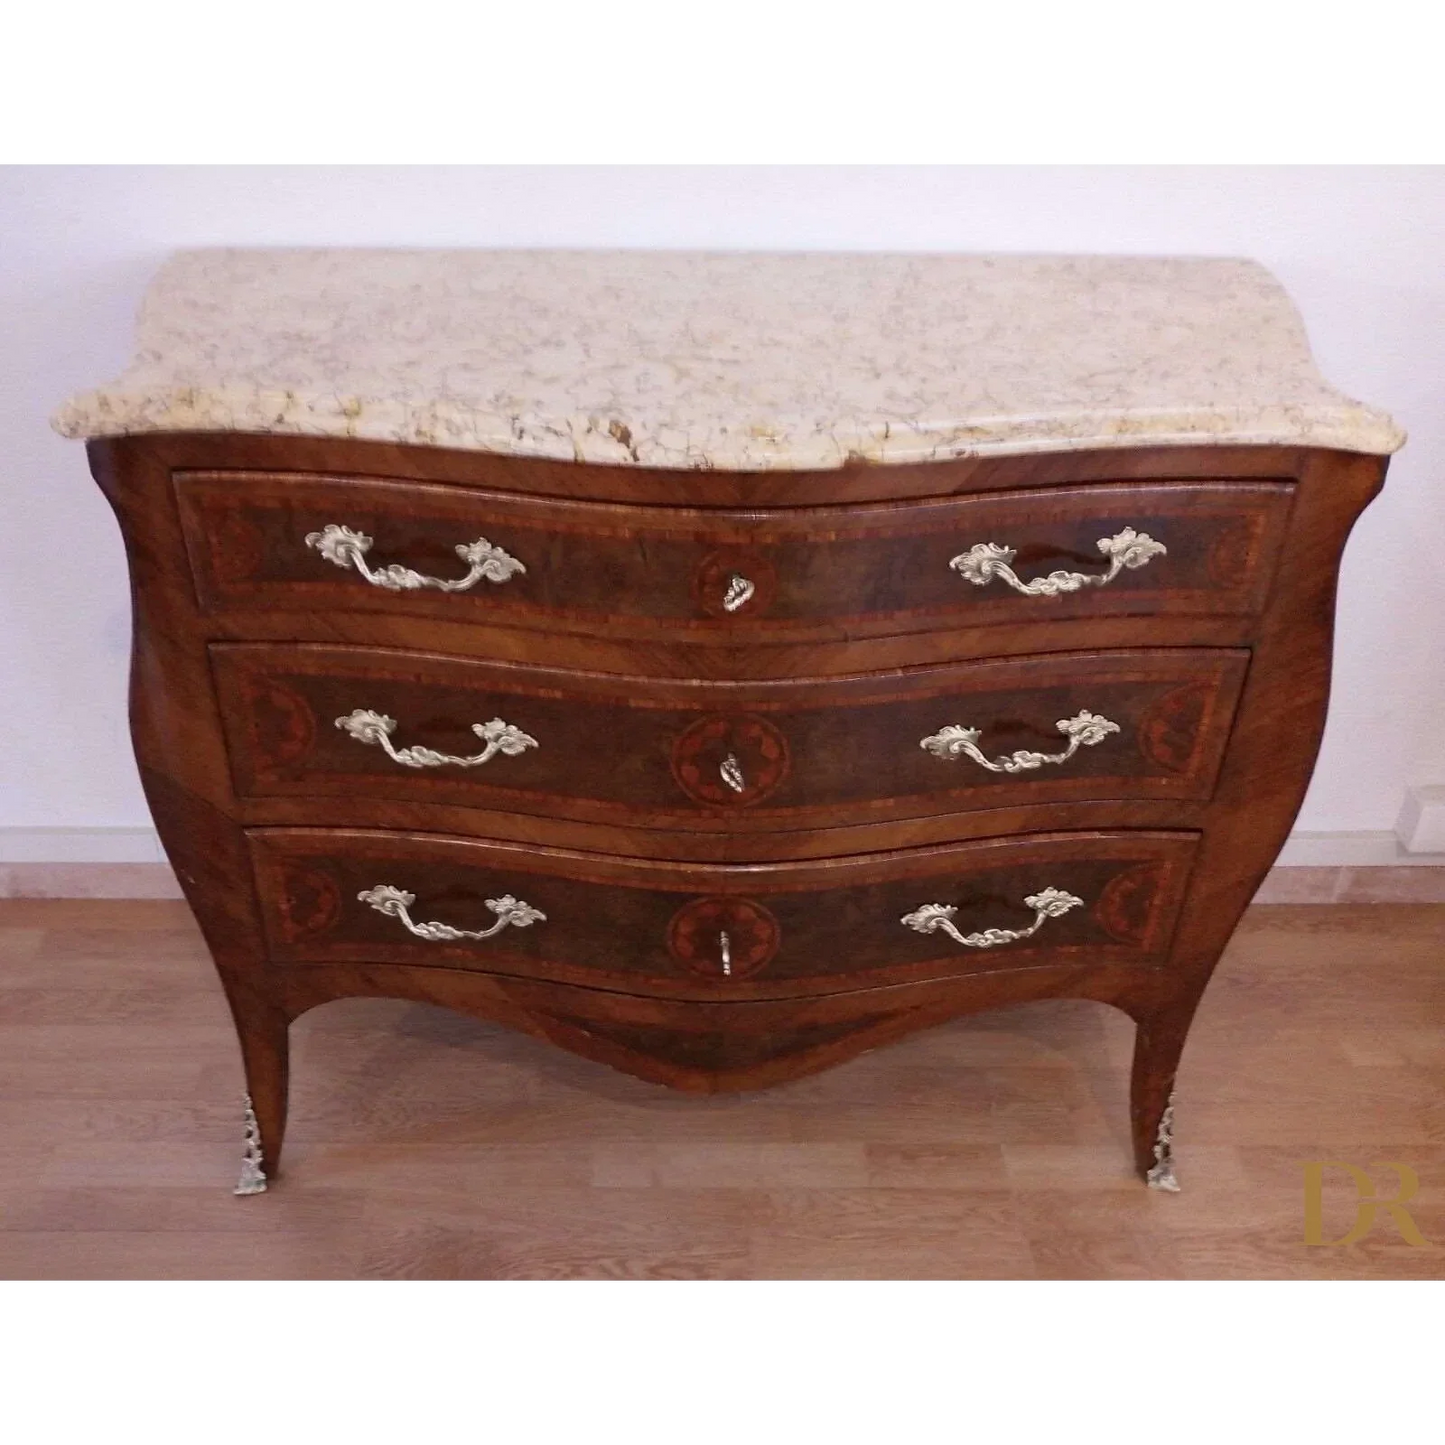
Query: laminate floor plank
x=427, y=1145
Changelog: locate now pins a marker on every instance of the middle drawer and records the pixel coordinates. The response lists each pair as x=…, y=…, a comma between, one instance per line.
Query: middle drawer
x=321, y=720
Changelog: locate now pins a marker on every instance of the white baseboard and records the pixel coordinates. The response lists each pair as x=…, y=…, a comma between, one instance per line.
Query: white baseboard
x=1352, y=850
x=80, y=845
x=84, y=863
x=1421, y=828
x=88, y=880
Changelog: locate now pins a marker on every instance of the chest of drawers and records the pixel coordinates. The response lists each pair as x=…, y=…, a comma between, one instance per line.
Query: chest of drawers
x=722, y=772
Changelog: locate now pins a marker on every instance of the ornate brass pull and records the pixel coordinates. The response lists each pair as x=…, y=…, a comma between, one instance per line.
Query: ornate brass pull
x=348, y=549
x=394, y=902
x=375, y=727
x=935, y=917
x=740, y=590
x=982, y=563
x=1083, y=730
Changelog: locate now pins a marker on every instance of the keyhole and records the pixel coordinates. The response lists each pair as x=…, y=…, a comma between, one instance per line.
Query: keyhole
x=740, y=590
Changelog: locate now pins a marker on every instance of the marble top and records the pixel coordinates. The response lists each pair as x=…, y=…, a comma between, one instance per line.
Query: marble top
x=738, y=360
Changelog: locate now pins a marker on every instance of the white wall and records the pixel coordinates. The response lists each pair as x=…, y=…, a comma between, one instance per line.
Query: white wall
x=1361, y=250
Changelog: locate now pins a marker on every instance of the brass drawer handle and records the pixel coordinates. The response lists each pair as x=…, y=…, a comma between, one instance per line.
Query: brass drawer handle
x=394, y=902
x=982, y=563
x=1083, y=730
x=933, y=917
x=348, y=549
x=376, y=728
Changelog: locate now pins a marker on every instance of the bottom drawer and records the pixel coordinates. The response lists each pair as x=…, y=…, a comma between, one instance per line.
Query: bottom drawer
x=709, y=932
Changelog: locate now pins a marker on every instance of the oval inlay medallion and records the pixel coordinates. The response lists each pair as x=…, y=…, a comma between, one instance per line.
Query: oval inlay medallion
x=730, y=762
x=310, y=902
x=1171, y=728
x=1125, y=907
x=281, y=723
x=695, y=937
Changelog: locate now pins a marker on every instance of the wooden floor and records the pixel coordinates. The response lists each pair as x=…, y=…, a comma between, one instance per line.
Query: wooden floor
x=427, y=1145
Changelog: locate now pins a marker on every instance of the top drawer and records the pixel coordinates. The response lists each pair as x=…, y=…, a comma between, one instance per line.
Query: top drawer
x=303, y=543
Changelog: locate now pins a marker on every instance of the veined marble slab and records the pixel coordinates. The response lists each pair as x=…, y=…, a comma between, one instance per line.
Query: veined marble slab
x=745, y=361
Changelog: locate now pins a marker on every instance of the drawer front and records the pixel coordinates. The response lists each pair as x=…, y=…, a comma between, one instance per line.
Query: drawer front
x=307, y=544
x=369, y=723
x=761, y=931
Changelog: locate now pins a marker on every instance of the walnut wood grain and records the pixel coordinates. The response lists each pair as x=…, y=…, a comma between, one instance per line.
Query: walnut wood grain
x=809, y=753
x=855, y=481
x=762, y=659
x=640, y=572
x=612, y=923
x=1282, y=614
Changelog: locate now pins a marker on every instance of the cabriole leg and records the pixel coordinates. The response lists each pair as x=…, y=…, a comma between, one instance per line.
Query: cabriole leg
x=1158, y=1044
x=263, y=1034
